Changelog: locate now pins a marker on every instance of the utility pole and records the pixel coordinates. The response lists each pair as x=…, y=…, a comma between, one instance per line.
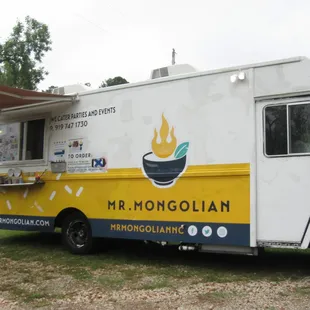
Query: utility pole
x=173, y=56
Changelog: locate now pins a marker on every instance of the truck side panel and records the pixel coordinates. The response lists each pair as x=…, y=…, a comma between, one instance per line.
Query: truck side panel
x=166, y=161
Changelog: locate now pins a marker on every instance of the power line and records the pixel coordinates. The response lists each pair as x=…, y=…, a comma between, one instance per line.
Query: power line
x=91, y=22
x=98, y=26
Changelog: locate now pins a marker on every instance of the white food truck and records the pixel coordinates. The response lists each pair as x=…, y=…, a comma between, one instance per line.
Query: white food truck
x=214, y=161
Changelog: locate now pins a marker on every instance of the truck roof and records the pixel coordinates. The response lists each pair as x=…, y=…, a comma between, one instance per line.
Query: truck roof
x=198, y=73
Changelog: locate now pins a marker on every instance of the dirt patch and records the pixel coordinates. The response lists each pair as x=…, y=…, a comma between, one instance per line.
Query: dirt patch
x=252, y=295
x=62, y=291
x=40, y=275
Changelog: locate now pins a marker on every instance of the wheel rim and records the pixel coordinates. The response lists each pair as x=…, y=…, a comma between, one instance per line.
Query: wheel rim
x=77, y=234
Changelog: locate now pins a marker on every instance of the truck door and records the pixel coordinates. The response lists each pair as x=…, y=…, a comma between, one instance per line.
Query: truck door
x=283, y=171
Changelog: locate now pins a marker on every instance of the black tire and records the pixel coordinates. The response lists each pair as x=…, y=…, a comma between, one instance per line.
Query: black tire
x=77, y=234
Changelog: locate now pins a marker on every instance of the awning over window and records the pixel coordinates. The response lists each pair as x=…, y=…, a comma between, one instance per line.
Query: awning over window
x=19, y=99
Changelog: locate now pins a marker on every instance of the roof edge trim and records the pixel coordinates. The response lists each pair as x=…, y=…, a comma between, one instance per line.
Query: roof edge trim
x=68, y=99
x=31, y=97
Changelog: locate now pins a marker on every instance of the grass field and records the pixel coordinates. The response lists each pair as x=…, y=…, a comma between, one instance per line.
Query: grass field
x=36, y=272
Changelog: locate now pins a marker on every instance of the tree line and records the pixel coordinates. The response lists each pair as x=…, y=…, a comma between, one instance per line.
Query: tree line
x=21, y=56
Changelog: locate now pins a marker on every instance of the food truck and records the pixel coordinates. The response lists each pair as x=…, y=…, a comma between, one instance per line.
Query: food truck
x=211, y=161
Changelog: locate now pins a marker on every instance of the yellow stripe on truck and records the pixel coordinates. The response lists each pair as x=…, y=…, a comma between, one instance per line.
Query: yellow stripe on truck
x=207, y=193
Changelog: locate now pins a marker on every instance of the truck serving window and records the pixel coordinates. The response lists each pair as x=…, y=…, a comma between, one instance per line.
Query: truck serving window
x=22, y=141
x=287, y=129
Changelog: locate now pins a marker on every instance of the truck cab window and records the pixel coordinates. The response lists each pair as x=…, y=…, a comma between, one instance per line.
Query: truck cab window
x=276, y=130
x=283, y=121
x=299, y=116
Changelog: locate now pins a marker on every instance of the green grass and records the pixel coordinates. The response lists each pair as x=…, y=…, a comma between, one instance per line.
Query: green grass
x=39, y=258
x=157, y=283
x=216, y=297
x=26, y=296
x=111, y=281
x=304, y=291
x=275, y=265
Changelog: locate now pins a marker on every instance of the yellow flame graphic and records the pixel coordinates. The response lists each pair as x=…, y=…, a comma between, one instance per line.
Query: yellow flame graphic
x=164, y=149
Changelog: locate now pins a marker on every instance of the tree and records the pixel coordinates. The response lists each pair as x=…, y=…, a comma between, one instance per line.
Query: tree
x=50, y=89
x=21, y=53
x=113, y=81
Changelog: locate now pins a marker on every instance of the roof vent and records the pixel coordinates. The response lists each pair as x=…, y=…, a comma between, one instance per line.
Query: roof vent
x=71, y=89
x=172, y=70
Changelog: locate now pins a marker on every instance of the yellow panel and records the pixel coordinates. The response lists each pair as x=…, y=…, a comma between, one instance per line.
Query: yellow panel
x=209, y=193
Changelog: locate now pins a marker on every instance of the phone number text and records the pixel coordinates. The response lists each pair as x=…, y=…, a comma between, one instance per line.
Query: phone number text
x=78, y=124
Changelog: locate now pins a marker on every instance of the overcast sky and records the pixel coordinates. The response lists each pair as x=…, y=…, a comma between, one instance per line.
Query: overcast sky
x=97, y=39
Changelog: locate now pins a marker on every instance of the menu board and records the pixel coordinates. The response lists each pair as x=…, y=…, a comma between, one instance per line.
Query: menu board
x=10, y=142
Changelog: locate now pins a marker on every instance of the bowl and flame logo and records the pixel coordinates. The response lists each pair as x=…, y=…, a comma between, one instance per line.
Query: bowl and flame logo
x=167, y=161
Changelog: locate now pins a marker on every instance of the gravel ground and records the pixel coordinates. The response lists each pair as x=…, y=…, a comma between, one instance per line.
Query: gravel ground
x=252, y=295
x=36, y=274
x=237, y=295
